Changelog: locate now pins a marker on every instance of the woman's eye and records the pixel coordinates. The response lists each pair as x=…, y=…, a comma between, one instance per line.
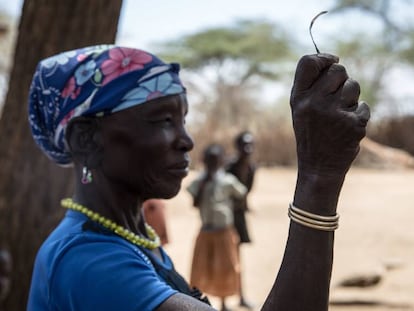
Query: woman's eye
x=165, y=120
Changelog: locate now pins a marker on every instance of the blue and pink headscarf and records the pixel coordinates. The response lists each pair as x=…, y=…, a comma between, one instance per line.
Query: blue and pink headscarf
x=93, y=81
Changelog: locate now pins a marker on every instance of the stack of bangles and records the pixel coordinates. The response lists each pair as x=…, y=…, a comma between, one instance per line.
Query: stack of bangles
x=307, y=219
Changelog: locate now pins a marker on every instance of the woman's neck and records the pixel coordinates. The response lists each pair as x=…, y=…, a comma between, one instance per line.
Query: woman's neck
x=111, y=201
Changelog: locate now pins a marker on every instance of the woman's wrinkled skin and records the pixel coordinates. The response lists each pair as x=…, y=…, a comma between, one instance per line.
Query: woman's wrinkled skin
x=329, y=123
x=327, y=119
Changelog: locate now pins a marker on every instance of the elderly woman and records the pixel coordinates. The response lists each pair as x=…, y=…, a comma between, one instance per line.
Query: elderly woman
x=117, y=116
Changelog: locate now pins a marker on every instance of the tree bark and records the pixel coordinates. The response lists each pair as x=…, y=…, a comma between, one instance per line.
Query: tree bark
x=31, y=186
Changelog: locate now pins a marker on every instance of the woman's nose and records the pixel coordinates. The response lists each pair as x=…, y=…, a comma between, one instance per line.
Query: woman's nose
x=184, y=141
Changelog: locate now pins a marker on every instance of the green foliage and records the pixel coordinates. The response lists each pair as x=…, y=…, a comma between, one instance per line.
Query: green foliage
x=252, y=43
x=367, y=4
x=227, y=66
x=231, y=64
x=407, y=49
x=368, y=59
x=376, y=55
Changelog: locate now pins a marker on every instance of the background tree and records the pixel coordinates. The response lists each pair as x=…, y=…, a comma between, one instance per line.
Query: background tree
x=30, y=185
x=378, y=55
x=383, y=59
x=234, y=61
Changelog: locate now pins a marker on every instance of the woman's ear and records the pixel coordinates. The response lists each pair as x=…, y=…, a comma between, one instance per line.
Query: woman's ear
x=84, y=141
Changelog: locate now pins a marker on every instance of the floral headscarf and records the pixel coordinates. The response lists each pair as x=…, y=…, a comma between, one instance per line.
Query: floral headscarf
x=92, y=81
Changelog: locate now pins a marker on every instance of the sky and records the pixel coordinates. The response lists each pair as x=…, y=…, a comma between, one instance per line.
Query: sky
x=144, y=23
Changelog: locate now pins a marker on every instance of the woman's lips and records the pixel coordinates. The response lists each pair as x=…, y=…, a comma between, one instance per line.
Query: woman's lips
x=180, y=169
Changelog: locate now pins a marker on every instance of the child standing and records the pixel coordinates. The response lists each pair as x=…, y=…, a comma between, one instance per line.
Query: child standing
x=215, y=267
x=244, y=169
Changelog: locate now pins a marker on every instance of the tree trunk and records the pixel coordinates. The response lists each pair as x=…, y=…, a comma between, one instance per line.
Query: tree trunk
x=31, y=186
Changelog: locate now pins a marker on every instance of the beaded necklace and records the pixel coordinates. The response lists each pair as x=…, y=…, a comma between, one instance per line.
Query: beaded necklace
x=151, y=243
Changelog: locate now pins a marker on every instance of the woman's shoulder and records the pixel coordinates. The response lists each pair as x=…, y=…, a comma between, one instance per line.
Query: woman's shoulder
x=114, y=266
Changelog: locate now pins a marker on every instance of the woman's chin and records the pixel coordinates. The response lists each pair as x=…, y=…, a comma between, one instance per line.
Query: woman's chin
x=165, y=192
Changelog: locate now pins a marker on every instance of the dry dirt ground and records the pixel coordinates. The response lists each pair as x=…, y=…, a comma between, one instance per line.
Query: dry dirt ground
x=376, y=236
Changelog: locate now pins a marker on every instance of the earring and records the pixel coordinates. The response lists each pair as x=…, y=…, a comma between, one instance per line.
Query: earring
x=86, y=176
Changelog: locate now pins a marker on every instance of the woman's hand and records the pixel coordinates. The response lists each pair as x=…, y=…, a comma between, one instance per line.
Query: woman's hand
x=328, y=120
x=329, y=123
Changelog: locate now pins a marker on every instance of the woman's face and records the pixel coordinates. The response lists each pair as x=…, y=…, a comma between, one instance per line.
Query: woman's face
x=146, y=147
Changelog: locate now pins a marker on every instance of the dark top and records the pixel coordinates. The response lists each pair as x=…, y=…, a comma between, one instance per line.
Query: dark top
x=245, y=174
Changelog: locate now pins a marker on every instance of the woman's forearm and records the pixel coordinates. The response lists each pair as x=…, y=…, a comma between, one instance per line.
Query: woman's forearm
x=306, y=268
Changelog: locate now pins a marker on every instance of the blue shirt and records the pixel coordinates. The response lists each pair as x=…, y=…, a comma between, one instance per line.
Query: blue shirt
x=78, y=269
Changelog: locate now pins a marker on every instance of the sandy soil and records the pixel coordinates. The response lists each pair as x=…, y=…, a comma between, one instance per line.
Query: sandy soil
x=375, y=236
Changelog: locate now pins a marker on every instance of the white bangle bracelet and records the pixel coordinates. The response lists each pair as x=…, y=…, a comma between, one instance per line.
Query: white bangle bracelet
x=315, y=221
